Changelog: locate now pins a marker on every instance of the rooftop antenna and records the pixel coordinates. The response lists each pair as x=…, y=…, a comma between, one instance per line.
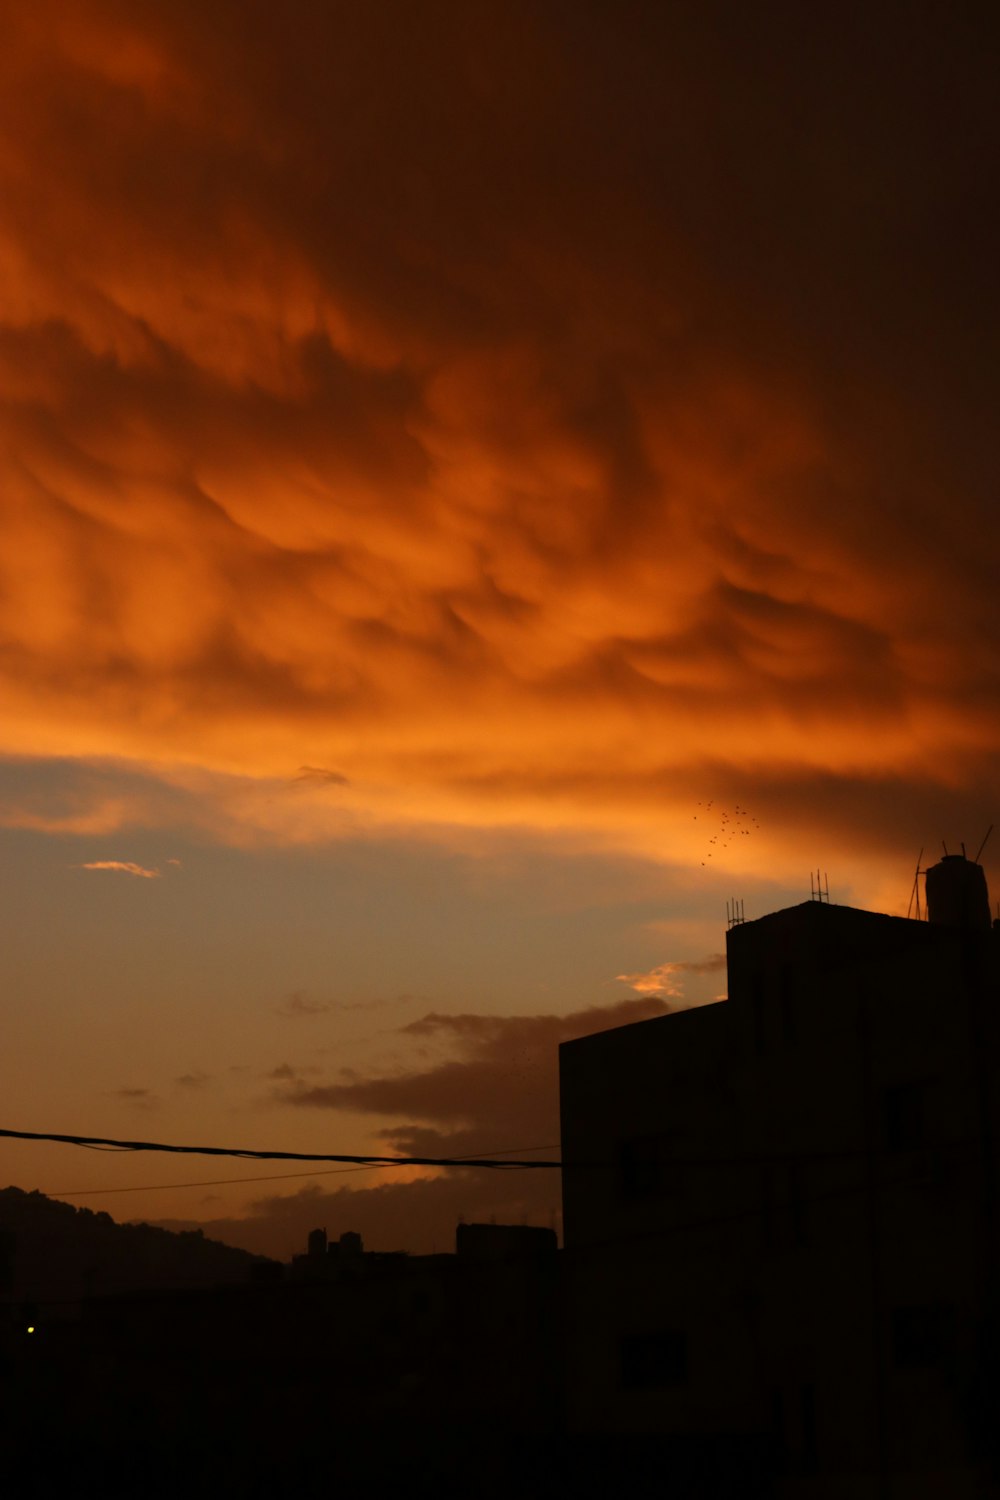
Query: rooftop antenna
x=944, y=846
x=734, y=913
x=983, y=844
x=817, y=890
x=916, y=888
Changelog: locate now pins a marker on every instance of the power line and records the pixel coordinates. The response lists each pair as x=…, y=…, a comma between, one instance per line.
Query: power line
x=107, y=1143
x=494, y=1163
x=155, y=1187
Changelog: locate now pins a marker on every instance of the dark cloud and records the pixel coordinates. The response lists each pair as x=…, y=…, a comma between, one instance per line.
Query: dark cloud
x=196, y=1080
x=298, y=1004
x=495, y=1086
x=494, y=1092
x=319, y=775
x=715, y=963
x=285, y=1073
x=137, y=1098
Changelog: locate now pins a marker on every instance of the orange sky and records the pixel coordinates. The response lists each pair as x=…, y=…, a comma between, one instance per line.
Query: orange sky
x=494, y=426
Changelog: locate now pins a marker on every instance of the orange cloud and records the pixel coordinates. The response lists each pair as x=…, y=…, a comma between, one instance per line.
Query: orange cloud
x=658, y=981
x=466, y=449
x=126, y=867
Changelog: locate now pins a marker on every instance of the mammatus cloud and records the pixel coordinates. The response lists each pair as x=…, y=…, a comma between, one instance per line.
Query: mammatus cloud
x=484, y=452
x=125, y=866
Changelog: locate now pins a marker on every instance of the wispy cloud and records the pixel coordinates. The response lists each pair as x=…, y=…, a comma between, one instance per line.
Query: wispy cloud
x=658, y=981
x=123, y=866
x=713, y=964
x=320, y=775
x=196, y=1080
x=136, y=1097
x=665, y=979
x=298, y=1005
x=295, y=1077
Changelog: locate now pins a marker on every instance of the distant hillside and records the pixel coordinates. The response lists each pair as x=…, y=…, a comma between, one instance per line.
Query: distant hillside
x=51, y=1251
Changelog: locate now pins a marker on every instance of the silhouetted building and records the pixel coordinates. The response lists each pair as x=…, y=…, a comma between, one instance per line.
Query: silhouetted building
x=350, y=1245
x=380, y=1362
x=781, y=1210
x=325, y=1259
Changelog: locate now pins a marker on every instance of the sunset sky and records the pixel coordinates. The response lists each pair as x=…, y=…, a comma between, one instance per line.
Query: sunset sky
x=483, y=484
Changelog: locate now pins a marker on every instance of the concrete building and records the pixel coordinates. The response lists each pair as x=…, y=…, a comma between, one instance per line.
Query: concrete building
x=780, y=1210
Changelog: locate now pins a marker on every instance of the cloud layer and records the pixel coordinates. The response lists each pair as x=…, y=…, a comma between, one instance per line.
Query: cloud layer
x=486, y=1077
x=522, y=414
x=485, y=1085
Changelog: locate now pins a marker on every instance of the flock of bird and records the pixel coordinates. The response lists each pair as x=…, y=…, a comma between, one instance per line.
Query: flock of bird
x=736, y=823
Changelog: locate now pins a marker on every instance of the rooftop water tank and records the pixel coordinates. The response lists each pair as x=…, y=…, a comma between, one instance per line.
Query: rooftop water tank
x=957, y=894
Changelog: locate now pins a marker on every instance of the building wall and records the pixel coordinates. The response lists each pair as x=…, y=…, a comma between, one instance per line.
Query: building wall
x=790, y=1197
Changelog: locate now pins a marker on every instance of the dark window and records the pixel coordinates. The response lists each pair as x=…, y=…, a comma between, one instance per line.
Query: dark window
x=645, y=1166
x=921, y=1334
x=906, y=1116
x=651, y=1361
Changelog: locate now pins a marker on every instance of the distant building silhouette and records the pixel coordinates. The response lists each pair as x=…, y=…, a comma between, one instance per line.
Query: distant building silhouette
x=780, y=1215
x=378, y=1362
x=325, y=1259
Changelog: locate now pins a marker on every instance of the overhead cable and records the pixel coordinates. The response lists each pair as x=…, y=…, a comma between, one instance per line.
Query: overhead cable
x=155, y=1187
x=107, y=1143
